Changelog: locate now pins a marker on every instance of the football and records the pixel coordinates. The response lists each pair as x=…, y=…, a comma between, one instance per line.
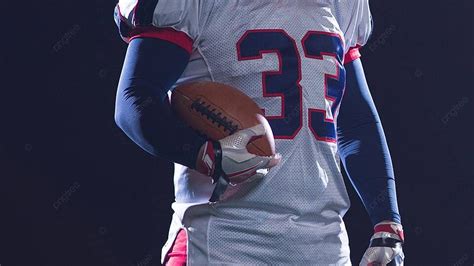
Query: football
x=218, y=110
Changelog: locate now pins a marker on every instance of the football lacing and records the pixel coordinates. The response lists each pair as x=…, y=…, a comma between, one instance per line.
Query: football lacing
x=204, y=109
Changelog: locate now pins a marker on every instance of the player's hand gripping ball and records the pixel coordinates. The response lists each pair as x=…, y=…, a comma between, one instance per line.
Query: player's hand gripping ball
x=241, y=144
x=385, y=246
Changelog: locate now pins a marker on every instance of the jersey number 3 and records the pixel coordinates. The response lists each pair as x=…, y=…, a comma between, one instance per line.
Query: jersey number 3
x=285, y=82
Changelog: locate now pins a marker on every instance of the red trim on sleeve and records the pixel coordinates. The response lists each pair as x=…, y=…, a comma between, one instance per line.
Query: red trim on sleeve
x=352, y=54
x=167, y=34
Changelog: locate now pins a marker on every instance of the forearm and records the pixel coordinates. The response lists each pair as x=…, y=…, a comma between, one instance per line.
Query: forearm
x=142, y=108
x=363, y=149
x=367, y=161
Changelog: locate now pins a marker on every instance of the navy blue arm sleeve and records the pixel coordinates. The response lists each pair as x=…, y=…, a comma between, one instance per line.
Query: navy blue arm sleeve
x=142, y=108
x=363, y=148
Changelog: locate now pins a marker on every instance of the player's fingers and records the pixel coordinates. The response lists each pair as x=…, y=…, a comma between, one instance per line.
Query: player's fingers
x=252, y=132
x=258, y=169
x=364, y=262
x=375, y=256
x=274, y=160
x=268, y=161
x=259, y=174
x=251, y=167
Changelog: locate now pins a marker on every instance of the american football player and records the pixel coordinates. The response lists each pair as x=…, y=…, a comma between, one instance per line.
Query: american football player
x=296, y=59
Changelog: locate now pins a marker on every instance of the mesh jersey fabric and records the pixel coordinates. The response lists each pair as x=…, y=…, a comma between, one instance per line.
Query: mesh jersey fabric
x=294, y=214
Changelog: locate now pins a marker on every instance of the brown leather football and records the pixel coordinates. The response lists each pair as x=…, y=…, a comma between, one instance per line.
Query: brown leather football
x=218, y=110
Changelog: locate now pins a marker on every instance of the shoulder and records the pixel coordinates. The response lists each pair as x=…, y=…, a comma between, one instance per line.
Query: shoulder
x=355, y=21
x=179, y=15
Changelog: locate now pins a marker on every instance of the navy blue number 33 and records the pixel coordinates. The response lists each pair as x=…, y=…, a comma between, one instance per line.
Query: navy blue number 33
x=285, y=82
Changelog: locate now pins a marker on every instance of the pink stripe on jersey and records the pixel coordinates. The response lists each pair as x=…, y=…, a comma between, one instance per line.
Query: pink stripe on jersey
x=177, y=255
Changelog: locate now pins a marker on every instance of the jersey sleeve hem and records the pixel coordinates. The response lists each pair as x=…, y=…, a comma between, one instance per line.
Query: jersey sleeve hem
x=179, y=38
x=352, y=54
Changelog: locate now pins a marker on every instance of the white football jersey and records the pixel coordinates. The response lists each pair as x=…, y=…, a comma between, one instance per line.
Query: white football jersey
x=288, y=57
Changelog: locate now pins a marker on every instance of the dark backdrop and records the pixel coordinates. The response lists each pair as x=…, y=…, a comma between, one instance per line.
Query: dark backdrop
x=76, y=191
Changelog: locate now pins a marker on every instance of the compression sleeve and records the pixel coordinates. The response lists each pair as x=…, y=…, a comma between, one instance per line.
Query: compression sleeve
x=363, y=148
x=142, y=108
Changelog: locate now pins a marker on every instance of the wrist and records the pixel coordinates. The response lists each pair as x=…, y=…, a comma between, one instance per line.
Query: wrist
x=389, y=229
x=209, y=158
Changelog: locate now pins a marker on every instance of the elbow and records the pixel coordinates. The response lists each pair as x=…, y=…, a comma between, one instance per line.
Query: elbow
x=132, y=124
x=125, y=113
x=121, y=119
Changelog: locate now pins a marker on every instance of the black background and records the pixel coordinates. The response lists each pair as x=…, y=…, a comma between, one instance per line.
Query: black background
x=75, y=191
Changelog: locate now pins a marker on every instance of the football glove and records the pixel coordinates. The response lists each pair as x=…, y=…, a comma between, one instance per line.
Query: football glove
x=228, y=161
x=385, y=246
